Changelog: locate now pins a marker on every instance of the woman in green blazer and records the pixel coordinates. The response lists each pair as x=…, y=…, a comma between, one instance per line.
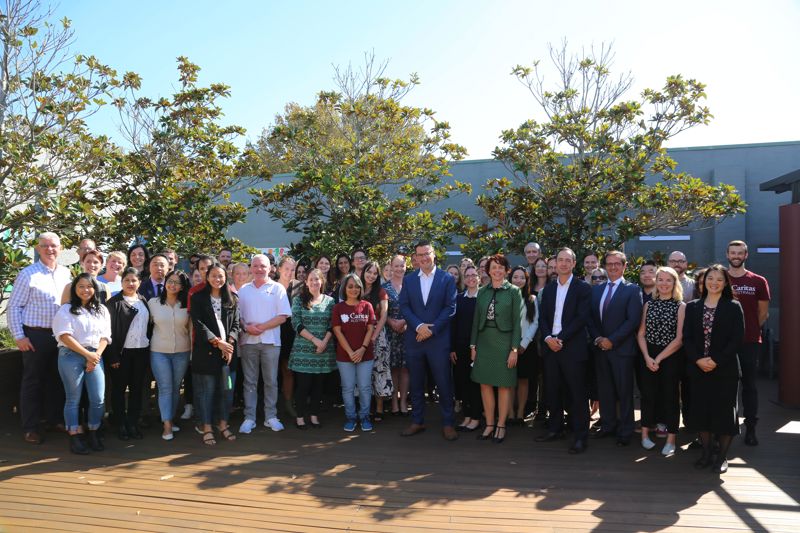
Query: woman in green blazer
x=496, y=335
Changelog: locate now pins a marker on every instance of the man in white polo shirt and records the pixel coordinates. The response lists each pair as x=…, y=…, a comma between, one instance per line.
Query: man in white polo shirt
x=263, y=307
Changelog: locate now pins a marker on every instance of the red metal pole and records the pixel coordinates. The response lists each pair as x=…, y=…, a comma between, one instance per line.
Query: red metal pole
x=789, y=380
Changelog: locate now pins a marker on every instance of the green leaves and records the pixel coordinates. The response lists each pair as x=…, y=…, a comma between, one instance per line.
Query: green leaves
x=365, y=166
x=596, y=174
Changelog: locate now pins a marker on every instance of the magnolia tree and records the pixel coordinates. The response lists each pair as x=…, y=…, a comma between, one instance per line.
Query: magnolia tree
x=52, y=169
x=594, y=173
x=365, y=166
x=174, y=181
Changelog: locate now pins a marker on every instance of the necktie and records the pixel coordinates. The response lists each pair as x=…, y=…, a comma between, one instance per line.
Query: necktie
x=159, y=288
x=607, y=301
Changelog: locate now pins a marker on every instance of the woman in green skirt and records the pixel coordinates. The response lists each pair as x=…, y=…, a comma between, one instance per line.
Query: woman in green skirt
x=496, y=334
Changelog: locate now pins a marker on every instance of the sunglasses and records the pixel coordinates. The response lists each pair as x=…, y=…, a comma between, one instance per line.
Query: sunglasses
x=596, y=278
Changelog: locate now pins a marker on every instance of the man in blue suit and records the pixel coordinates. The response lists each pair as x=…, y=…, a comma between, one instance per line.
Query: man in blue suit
x=613, y=323
x=428, y=302
x=564, y=311
x=153, y=285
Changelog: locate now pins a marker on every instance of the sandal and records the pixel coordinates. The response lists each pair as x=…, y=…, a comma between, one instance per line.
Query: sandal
x=487, y=436
x=227, y=434
x=208, y=438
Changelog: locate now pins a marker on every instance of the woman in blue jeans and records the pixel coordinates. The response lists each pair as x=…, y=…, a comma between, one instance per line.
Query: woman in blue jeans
x=83, y=330
x=215, y=317
x=170, y=345
x=353, y=321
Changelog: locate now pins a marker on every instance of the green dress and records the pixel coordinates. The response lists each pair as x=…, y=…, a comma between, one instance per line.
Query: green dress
x=496, y=328
x=317, y=320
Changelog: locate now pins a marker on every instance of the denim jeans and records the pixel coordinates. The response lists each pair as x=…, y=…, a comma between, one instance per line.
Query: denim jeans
x=352, y=375
x=72, y=367
x=168, y=369
x=263, y=357
x=211, y=402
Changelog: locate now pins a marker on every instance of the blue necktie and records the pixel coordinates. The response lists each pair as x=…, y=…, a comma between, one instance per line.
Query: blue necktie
x=608, y=298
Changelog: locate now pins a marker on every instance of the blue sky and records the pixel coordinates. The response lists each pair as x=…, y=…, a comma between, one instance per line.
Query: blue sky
x=272, y=53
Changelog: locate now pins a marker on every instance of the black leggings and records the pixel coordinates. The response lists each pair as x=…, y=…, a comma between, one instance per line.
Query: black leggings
x=467, y=390
x=130, y=375
x=306, y=385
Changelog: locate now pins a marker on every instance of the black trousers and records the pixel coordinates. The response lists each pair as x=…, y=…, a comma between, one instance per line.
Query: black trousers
x=660, y=396
x=306, y=385
x=615, y=388
x=572, y=370
x=748, y=359
x=41, y=390
x=467, y=390
x=129, y=376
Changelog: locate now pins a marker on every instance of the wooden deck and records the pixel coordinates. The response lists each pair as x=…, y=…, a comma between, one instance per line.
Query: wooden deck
x=319, y=480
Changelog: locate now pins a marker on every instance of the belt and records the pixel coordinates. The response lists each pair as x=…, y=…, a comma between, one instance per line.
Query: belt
x=34, y=328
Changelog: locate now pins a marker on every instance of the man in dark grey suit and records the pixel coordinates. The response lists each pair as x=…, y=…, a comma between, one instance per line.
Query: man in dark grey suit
x=613, y=323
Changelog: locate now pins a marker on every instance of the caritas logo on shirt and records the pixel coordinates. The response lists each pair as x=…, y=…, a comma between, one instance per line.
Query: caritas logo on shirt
x=747, y=290
x=353, y=317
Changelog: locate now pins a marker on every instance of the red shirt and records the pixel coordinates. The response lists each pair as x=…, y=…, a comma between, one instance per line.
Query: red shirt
x=354, y=320
x=751, y=289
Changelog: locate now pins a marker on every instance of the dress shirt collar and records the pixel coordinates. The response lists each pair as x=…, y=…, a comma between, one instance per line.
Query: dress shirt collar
x=565, y=284
x=421, y=274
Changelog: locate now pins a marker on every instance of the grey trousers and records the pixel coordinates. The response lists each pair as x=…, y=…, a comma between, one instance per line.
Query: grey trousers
x=263, y=358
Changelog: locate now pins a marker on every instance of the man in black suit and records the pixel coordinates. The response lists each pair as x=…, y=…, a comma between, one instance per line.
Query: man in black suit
x=613, y=323
x=154, y=284
x=564, y=312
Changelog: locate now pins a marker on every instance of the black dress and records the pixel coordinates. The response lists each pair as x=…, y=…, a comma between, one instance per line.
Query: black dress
x=716, y=333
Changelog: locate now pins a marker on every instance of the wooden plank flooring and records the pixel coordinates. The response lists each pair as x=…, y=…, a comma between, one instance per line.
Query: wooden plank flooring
x=328, y=480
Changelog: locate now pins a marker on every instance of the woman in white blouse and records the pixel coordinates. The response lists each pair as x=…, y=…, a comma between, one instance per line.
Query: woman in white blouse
x=129, y=353
x=83, y=330
x=170, y=345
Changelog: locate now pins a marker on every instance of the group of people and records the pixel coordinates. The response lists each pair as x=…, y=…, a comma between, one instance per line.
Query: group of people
x=501, y=341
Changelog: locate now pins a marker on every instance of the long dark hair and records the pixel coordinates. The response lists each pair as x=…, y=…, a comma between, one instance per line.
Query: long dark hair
x=146, y=255
x=227, y=297
x=330, y=281
x=183, y=296
x=75, y=304
x=727, y=291
x=305, y=294
x=527, y=296
x=339, y=275
x=374, y=294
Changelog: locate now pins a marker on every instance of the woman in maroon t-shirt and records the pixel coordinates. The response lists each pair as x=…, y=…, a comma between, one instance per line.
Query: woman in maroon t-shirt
x=353, y=321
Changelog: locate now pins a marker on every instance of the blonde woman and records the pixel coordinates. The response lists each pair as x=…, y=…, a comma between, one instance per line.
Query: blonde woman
x=660, y=339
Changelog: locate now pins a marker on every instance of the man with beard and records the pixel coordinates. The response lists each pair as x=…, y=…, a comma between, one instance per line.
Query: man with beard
x=752, y=292
x=677, y=260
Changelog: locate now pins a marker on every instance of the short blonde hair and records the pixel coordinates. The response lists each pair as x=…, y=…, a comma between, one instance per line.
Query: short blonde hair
x=677, y=288
x=119, y=255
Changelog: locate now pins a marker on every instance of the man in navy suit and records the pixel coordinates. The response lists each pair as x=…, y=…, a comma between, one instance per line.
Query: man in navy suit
x=613, y=323
x=564, y=311
x=154, y=284
x=428, y=302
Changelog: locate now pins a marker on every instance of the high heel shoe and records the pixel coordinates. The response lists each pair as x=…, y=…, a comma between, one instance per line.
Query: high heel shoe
x=497, y=439
x=487, y=436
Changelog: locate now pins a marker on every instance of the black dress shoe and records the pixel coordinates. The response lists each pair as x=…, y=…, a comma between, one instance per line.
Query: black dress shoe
x=579, y=446
x=122, y=433
x=720, y=466
x=300, y=426
x=623, y=441
x=601, y=434
x=95, y=441
x=703, y=462
x=134, y=432
x=750, y=437
x=76, y=444
x=549, y=437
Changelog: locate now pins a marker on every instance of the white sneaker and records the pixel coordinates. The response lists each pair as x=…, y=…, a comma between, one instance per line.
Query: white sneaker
x=668, y=450
x=247, y=426
x=175, y=429
x=647, y=444
x=188, y=411
x=274, y=424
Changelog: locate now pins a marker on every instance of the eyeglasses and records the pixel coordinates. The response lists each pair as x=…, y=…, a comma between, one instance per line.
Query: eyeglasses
x=173, y=282
x=676, y=261
x=469, y=276
x=613, y=264
x=596, y=278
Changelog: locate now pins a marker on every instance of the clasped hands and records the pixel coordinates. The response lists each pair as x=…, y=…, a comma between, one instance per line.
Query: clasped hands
x=603, y=343
x=320, y=345
x=357, y=355
x=255, y=329
x=424, y=332
x=226, y=348
x=706, y=364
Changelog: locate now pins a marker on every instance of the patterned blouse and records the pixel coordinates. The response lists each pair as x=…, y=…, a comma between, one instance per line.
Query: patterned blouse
x=661, y=324
x=708, y=321
x=317, y=320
